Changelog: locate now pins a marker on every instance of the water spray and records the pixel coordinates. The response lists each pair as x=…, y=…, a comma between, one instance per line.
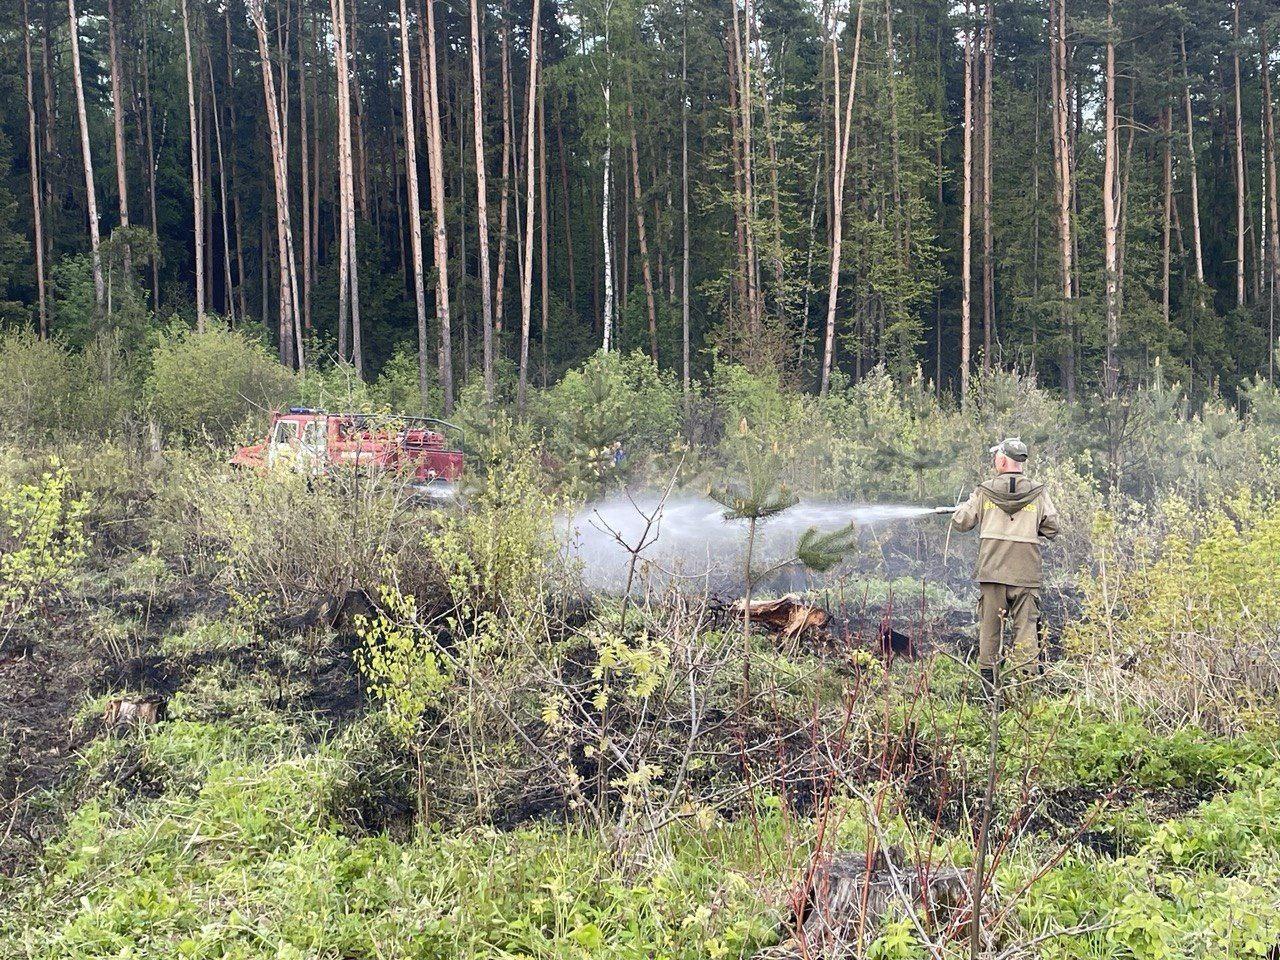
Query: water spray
x=692, y=540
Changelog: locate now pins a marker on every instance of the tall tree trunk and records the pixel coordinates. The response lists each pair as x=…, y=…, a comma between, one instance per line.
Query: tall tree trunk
x=1240, y=183
x=988, y=252
x=646, y=268
x=415, y=209
x=152, y=161
x=304, y=172
x=344, y=196
x=742, y=56
x=842, y=130
x=1191, y=157
x=350, y=291
x=544, y=266
x=86, y=153
x=739, y=302
x=439, y=237
x=505, y=192
x=1273, y=199
x=966, y=220
x=606, y=214
x=1110, y=213
x=482, y=201
x=222, y=192
x=51, y=101
x=1167, y=218
x=526, y=272
x=684, y=210
x=117, y=119
x=284, y=234
x=355, y=104
x=197, y=192
x=1063, y=156
x=238, y=220
x=37, y=212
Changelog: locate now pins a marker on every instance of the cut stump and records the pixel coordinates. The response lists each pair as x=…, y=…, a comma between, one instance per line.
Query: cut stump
x=839, y=906
x=135, y=711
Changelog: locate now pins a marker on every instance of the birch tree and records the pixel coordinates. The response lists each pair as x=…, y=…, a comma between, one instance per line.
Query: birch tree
x=86, y=155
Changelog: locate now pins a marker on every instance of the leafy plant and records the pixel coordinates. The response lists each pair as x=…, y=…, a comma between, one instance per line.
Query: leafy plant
x=406, y=672
x=42, y=539
x=210, y=382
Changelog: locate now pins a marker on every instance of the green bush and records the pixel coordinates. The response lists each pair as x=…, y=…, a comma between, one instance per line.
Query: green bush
x=396, y=389
x=282, y=541
x=41, y=542
x=335, y=388
x=39, y=383
x=614, y=401
x=1180, y=610
x=209, y=383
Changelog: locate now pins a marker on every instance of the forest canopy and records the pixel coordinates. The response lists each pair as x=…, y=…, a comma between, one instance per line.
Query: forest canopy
x=1082, y=189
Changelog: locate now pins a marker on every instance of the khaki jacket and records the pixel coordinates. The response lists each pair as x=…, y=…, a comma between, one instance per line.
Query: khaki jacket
x=1012, y=514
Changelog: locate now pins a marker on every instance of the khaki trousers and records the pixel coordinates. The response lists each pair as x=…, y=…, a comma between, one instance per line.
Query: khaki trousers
x=1001, y=606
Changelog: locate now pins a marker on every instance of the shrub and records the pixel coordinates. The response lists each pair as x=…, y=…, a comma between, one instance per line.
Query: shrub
x=1184, y=607
x=336, y=388
x=614, y=402
x=41, y=541
x=39, y=382
x=110, y=384
x=288, y=542
x=210, y=382
x=499, y=551
x=396, y=388
x=758, y=398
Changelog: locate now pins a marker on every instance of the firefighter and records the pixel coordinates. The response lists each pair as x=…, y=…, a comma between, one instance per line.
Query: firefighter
x=1012, y=514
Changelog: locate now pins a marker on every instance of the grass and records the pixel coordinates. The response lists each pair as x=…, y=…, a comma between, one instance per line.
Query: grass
x=242, y=851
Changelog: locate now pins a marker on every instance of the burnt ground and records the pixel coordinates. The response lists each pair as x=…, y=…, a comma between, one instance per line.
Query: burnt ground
x=53, y=669
x=42, y=686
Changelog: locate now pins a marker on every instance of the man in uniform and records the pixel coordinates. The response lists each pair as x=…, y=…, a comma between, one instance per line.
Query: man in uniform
x=1012, y=514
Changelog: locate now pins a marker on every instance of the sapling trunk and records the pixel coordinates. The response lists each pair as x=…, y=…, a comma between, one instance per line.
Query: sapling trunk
x=746, y=610
x=980, y=855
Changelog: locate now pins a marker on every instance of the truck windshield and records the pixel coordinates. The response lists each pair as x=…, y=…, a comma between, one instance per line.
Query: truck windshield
x=286, y=432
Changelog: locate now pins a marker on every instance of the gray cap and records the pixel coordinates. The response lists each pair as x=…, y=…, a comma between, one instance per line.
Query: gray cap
x=1013, y=448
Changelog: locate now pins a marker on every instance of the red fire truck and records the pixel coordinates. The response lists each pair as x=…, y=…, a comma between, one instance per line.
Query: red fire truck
x=427, y=452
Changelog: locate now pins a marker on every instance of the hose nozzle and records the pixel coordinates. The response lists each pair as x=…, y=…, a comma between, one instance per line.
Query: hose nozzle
x=944, y=510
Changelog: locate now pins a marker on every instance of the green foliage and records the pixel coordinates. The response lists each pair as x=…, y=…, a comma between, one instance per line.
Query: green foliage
x=754, y=402
x=209, y=383
x=615, y=403
x=38, y=384
x=822, y=551
x=498, y=553
x=396, y=388
x=50, y=390
x=42, y=540
x=1190, y=601
x=1230, y=832
x=256, y=836
x=282, y=541
x=401, y=661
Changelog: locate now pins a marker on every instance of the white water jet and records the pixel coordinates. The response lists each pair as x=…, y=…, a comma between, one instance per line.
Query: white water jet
x=690, y=539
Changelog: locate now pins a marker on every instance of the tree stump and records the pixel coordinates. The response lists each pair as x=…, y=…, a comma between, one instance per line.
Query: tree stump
x=838, y=908
x=135, y=711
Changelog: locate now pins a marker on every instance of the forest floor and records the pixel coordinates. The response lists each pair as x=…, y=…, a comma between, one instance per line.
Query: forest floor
x=272, y=814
